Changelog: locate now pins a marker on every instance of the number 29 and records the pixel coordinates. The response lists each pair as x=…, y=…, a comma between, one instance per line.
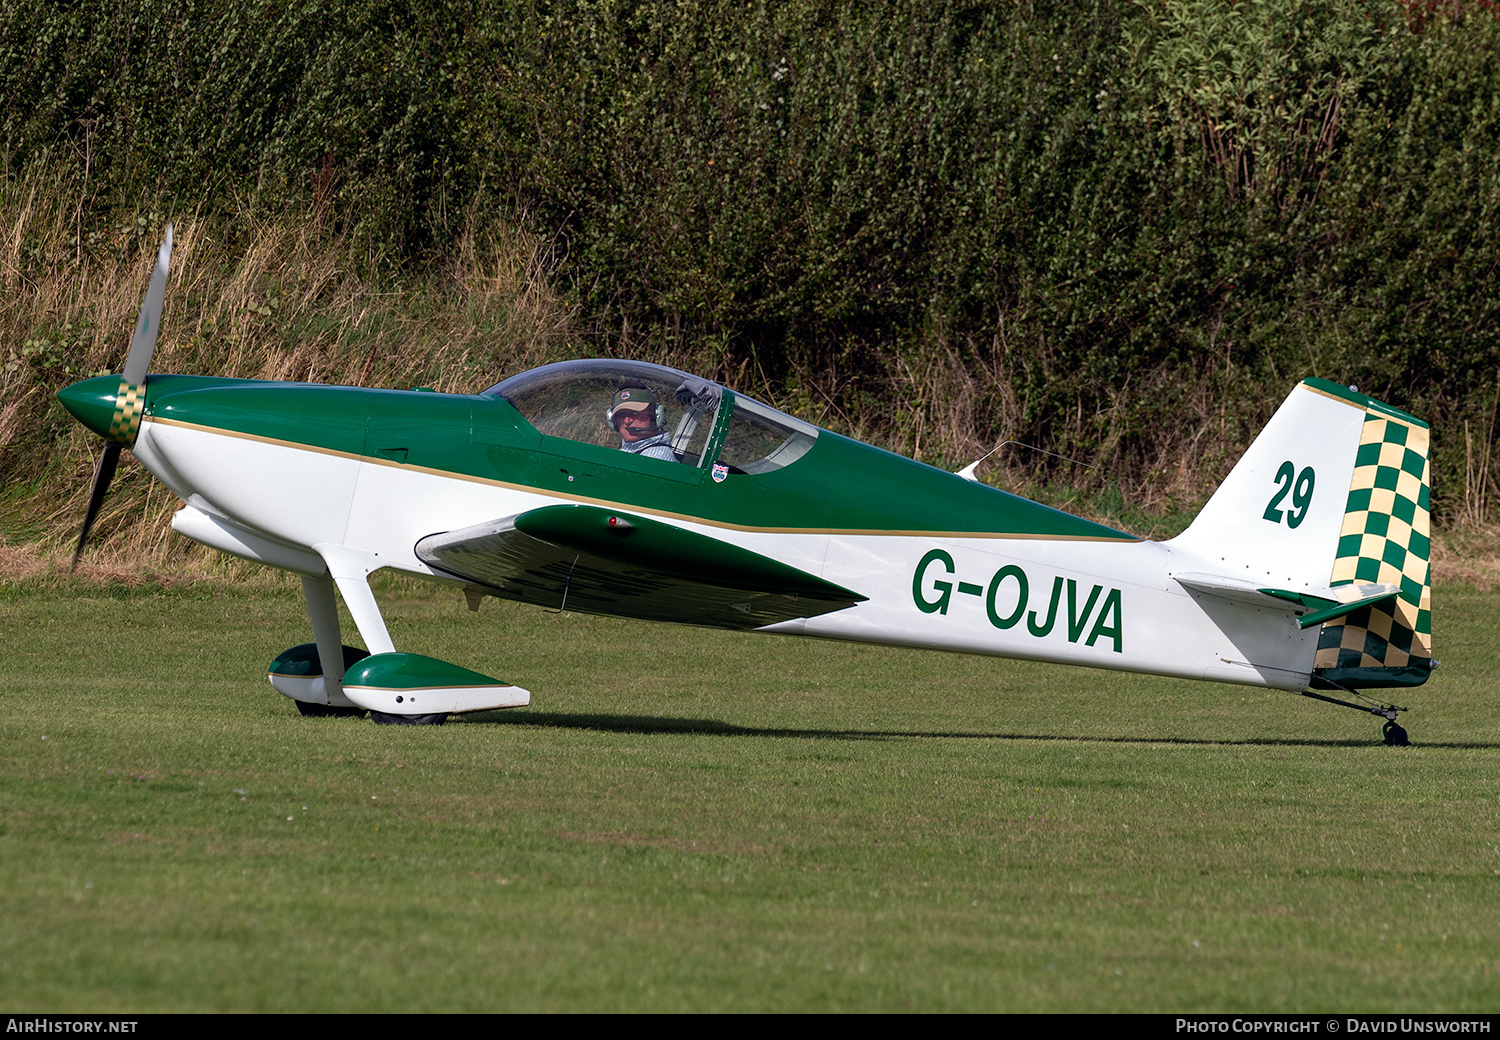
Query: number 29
x=1301, y=492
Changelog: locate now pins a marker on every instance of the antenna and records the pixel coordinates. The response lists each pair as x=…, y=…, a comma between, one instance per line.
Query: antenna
x=968, y=471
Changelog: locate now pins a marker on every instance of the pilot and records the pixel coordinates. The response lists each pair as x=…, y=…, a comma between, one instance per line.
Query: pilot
x=640, y=420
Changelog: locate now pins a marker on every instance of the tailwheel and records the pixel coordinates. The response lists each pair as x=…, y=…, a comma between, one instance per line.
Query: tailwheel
x=1394, y=735
x=380, y=718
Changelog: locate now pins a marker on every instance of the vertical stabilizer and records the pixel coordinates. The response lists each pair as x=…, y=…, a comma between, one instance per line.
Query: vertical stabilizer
x=1277, y=518
x=1333, y=492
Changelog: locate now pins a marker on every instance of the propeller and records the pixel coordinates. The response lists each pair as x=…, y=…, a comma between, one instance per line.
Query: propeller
x=130, y=399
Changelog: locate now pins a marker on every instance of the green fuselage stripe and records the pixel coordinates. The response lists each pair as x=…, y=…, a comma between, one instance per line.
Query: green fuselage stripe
x=841, y=486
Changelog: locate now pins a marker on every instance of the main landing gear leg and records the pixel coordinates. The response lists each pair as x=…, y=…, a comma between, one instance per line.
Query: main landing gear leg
x=350, y=570
x=1394, y=735
x=323, y=612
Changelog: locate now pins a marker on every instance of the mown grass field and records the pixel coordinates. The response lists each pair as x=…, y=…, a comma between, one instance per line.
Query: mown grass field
x=694, y=820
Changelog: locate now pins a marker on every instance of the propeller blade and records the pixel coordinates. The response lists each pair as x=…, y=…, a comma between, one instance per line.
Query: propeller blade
x=104, y=472
x=146, y=326
x=129, y=398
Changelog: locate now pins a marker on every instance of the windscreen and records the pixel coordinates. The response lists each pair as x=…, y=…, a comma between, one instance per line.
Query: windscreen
x=761, y=439
x=589, y=401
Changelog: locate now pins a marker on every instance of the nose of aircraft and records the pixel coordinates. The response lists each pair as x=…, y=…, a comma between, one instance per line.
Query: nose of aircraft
x=95, y=402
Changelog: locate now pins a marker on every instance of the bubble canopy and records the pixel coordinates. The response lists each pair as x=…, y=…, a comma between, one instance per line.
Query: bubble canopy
x=703, y=422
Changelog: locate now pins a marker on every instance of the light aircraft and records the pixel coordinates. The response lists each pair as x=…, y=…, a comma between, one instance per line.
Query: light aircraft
x=1307, y=570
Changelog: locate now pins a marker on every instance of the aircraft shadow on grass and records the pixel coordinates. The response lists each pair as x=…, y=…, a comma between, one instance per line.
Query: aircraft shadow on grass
x=655, y=725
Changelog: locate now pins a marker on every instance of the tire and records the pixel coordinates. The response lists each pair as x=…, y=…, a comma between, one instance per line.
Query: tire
x=380, y=718
x=328, y=711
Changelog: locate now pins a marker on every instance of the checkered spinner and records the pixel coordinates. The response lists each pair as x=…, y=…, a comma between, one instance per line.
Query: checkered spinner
x=1386, y=538
x=126, y=423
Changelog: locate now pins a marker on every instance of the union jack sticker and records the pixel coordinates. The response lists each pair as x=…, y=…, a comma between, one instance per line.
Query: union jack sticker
x=720, y=471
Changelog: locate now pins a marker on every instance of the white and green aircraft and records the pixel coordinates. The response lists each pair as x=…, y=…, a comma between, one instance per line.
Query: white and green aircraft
x=630, y=489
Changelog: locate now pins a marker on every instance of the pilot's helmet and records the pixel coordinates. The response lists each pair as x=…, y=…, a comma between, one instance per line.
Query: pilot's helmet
x=635, y=397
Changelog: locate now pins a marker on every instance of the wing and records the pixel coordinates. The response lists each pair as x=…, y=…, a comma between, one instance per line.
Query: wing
x=602, y=562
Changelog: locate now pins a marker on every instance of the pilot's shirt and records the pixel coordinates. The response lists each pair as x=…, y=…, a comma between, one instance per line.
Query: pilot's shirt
x=658, y=447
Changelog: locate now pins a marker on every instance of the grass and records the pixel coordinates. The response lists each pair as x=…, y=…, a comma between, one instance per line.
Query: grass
x=694, y=820
x=279, y=295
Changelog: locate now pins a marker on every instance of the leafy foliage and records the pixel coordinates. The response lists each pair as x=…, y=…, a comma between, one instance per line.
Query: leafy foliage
x=1113, y=231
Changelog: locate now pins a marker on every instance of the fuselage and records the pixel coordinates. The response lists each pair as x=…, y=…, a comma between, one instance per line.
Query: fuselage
x=945, y=563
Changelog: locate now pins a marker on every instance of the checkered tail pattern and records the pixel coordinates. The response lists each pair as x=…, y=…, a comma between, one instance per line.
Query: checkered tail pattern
x=1385, y=538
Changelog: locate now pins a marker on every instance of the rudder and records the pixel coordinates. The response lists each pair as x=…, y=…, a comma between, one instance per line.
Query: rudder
x=1386, y=537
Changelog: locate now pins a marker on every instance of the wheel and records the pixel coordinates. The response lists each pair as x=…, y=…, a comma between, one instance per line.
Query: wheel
x=1395, y=736
x=382, y=719
x=328, y=711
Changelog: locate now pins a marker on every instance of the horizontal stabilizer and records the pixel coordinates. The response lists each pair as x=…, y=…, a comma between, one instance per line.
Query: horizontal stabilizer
x=1323, y=603
x=597, y=560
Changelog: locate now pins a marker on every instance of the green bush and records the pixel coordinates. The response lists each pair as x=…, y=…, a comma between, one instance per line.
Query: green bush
x=1098, y=229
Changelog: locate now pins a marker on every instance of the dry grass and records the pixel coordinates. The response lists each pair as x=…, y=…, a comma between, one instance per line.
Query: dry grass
x=288, y=305
x=251, y=295
x=284, y=296
x=1467, y=555
x=30, y=567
